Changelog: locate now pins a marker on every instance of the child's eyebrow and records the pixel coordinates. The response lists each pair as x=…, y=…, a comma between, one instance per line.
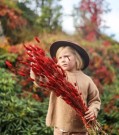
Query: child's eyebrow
x=66, y=55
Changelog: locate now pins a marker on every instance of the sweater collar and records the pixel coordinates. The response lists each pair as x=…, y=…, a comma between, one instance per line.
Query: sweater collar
x=74, y=73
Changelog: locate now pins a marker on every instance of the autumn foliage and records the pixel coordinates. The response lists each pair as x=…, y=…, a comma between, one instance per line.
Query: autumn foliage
x=91, y=19
x=103, y=69
x=14, y=17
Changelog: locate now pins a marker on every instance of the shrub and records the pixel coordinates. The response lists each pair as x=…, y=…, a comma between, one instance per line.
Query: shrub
x=18, y=115
x=109, y=114
x=4, y=55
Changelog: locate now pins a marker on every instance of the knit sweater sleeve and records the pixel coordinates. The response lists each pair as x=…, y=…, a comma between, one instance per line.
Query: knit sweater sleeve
x=94, y=101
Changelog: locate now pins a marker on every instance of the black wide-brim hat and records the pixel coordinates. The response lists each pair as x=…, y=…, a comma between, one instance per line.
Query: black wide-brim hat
x=56, y=45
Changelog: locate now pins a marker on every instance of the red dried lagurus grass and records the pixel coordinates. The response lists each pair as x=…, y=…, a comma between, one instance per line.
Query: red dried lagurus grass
x=55, y=80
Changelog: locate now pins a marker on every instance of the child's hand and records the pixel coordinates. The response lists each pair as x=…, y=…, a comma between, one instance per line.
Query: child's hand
x=90, y=115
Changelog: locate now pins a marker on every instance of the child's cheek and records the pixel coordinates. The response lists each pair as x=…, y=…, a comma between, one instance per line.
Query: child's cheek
x=59, y=63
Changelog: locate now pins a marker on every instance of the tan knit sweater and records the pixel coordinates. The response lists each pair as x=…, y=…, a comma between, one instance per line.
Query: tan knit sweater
x=64, y=117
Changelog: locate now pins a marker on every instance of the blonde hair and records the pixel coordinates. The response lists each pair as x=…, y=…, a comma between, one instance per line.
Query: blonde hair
x=79, y=61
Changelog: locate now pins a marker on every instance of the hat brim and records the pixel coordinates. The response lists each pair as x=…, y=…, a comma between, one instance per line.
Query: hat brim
x=56, y=45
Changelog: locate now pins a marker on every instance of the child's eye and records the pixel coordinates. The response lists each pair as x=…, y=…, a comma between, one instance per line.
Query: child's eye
x=59, y=57
x=68, y=57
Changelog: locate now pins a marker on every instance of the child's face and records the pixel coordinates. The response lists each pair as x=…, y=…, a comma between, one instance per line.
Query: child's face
x=67, y=60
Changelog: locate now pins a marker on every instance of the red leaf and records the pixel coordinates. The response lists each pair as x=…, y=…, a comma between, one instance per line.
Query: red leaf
x=9, y=64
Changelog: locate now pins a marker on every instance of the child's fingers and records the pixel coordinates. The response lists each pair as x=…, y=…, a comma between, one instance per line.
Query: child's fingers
x=89, y=115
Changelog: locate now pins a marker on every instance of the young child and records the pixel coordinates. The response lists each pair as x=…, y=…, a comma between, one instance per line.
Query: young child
x=73, y=59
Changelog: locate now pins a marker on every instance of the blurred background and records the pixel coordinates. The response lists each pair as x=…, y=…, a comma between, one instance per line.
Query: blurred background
x=91, y=23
